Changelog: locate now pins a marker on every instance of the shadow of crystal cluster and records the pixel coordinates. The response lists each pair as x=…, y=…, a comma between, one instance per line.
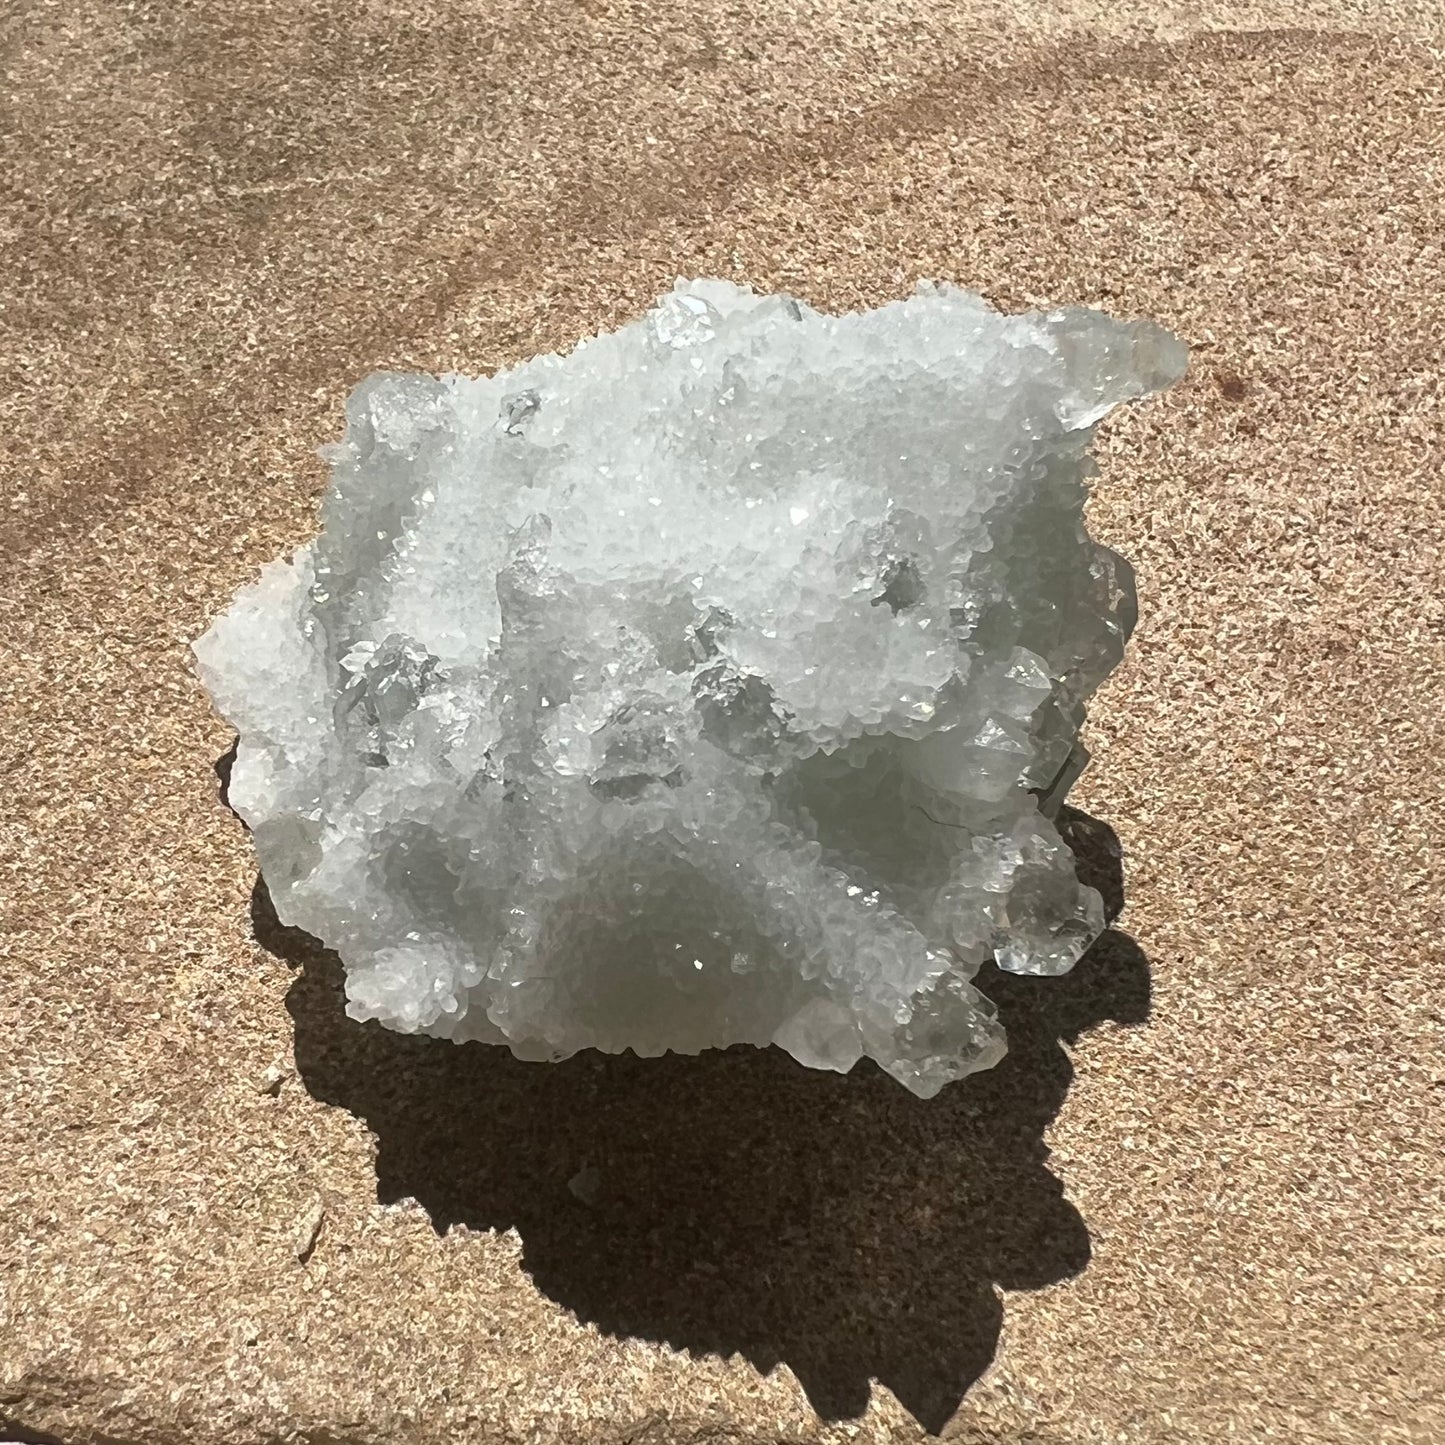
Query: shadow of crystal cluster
x=719, y=682
x=734, y=1203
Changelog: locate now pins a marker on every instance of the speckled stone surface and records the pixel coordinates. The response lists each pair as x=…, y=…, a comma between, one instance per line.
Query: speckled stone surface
x=1201, y=1201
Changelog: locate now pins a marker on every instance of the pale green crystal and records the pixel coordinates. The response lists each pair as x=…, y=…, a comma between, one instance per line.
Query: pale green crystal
x=715, y=683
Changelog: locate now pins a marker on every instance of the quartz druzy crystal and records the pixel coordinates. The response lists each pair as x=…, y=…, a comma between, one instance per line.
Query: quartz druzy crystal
x=718, y=682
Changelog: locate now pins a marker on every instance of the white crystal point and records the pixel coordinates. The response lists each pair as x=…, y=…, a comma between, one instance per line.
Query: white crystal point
x=716, y=683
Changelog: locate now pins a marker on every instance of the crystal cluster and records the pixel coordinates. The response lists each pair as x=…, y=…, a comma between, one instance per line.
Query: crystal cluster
x=715, y=683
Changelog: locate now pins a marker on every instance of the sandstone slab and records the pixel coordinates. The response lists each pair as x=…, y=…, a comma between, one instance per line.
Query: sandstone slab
x=1211, y=1206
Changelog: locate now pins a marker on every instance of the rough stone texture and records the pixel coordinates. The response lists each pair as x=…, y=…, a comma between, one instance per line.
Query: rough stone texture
x=212, y=213
x=718, y=682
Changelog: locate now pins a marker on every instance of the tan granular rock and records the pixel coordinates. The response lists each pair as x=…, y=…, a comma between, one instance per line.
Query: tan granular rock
x=1224, y=1222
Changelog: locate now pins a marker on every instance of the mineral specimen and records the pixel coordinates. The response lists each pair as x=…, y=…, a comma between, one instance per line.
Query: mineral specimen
x=715, y=683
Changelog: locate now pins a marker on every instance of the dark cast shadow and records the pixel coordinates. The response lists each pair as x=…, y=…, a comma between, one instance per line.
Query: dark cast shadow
x=733, y=1201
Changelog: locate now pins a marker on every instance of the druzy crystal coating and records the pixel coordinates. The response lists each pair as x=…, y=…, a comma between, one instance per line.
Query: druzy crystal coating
x=718, y=682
